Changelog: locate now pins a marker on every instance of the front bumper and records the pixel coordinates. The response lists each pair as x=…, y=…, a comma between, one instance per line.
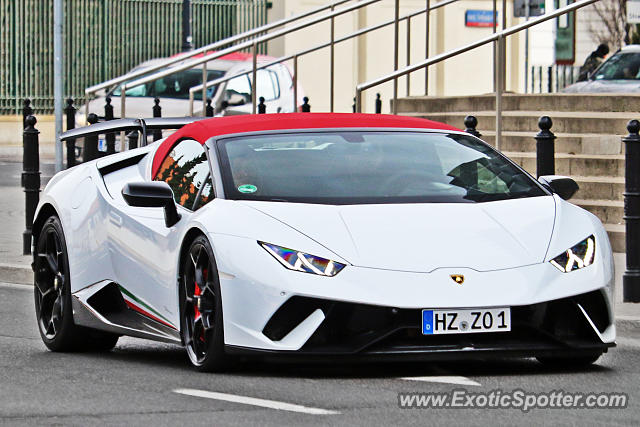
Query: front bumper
x=255, y=288
x=573, y=325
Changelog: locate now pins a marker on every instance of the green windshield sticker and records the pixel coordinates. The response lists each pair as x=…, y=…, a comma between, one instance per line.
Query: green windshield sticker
x=247, y=188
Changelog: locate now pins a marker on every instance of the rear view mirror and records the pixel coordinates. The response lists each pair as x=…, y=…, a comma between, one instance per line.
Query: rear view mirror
x=156, y=194
x=563, y=186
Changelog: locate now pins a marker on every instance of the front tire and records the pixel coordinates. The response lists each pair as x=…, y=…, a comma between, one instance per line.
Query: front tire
x=52, y=294
x=201, y=308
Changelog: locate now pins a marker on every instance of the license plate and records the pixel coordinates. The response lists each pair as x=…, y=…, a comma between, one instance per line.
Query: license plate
x=466, y=321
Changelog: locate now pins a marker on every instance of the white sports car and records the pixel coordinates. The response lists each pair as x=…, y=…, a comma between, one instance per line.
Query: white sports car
x=320, y=236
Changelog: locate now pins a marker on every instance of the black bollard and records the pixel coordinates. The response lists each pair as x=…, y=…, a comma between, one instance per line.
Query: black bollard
x=110, y=137
x=378, y=104
x=30, y=178
x=90, y=150
x=133, y=139
x=545, y=161
x=26, y=112
x=353, y=106
x=262, y=109
x=157, y=112
x=209, y=109
x=306, y=108
x=471, y=123
x=70, y=113
x=631, y=276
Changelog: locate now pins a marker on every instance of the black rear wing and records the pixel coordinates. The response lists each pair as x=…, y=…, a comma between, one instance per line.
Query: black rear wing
x=123, y=125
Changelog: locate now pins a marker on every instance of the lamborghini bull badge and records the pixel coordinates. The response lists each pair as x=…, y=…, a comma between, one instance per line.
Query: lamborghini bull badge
x=458, y=278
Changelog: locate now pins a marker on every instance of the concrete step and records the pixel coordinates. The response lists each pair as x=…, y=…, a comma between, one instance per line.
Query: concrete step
x=609, y=211
x=600, y=187
x=527, y=102
x=575, y=164
x=616, y=234
x=565, y=142
x=527, y=121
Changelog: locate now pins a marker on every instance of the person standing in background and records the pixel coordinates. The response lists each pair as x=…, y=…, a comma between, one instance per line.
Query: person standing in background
x=593, y=61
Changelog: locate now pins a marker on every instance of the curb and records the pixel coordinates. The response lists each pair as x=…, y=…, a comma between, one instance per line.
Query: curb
x=16, y=274
x=627, y=323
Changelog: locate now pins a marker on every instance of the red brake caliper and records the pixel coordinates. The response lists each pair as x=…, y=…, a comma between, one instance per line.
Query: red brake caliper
x=196, y=293
x=196, y=313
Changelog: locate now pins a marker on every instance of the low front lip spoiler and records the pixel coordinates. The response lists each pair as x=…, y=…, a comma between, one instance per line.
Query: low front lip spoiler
x=421, y=353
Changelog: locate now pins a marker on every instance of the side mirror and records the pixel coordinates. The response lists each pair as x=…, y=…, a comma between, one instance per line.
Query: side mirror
x=563, y=186
x=156, y=194
x=236, y=99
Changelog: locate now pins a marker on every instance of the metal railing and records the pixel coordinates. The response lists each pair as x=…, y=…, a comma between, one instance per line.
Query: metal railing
x=208, y=53
x=102, y=39
x=253, y=46
x=499, y=61
x=552, y=78
x=297, y=55
x=203, y=50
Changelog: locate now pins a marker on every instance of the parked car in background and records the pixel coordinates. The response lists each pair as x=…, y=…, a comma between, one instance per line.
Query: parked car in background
x=618, y=74
x=233, y=97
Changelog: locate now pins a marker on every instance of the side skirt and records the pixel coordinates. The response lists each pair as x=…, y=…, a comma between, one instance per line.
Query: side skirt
x=109, y=307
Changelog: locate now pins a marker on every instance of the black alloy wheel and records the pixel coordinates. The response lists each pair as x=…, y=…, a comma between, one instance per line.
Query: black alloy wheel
x=201, y=319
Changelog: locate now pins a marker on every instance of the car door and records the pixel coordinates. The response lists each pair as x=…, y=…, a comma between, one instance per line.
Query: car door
x=147, y=252
x=269, y=88
x=237, y=96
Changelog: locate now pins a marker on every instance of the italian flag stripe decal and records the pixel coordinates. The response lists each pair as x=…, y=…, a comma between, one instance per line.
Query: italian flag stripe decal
x=143, y=308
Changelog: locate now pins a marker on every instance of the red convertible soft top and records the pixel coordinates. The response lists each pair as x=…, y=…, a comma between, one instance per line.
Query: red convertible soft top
x=205, y=129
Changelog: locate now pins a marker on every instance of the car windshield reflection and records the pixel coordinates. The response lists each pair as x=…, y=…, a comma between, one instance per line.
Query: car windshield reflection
x=175, y=86
x=370, y=167
x=621, y=66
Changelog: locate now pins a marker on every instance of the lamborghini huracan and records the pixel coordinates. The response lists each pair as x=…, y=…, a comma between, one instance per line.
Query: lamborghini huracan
x=320, y=236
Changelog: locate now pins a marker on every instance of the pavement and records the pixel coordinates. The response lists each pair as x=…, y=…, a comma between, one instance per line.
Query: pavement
x=14, y=267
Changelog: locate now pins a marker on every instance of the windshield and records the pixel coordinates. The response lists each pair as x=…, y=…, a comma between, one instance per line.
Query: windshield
x=176, y=85
x=355, y=167
x=621, y=66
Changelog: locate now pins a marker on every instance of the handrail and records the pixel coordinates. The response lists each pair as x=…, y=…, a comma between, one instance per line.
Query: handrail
x=212, y=46
x=498, y=36
x=357, y=33
x=253, y=44
x=493, y=37
x=248, y=44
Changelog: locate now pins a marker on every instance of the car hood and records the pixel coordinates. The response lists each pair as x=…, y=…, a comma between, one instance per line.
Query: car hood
x=604, y=86
x=423, y=237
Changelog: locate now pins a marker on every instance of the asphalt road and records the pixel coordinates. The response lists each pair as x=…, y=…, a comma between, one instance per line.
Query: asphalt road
x=136, y=384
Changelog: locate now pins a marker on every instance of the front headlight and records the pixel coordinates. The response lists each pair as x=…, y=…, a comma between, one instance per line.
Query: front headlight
x=578, y=256
x=300, y=261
